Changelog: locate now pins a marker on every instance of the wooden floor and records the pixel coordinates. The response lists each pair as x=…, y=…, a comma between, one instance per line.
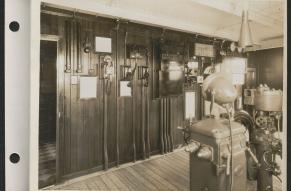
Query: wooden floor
x=167, y=172
x=47, y=163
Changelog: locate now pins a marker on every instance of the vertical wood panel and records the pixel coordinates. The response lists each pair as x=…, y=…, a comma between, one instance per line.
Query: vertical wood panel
x=170, y=125
x=166, y=125
x=99, y=125
x=134, y=119
x=143, y=121
x=67, y=106
x=105, y=127
x=117, y=69
x=162, y=126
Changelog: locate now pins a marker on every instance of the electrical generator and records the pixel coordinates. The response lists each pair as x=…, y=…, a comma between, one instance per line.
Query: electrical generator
x=211, y=165
x=217, y=147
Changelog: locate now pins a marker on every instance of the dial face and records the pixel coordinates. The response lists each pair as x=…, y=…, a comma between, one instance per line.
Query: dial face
x=232, y=47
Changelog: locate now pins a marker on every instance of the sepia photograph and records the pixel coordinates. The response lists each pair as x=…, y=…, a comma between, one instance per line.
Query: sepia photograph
x=142, y=95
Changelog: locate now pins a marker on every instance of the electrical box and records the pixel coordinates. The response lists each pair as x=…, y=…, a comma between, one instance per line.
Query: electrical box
x=249, y=96
x=251, y=78
x=167, y=71
x=171, y=78
x=204, y=50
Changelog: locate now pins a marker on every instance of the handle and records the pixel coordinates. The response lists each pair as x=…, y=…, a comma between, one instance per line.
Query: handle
x=228, y=164
x=253, y=156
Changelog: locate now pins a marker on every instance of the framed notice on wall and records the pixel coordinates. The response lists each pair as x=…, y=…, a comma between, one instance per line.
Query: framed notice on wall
x=190, y=106
x=206, y=50
x=88, y=87
x=102, y=44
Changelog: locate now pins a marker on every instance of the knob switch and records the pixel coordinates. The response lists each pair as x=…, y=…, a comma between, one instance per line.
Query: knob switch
x=192, y=147
x=205, y=153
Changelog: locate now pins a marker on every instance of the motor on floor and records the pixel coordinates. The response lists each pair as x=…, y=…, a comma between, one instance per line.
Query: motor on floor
x=265, y=137
x=220, y=148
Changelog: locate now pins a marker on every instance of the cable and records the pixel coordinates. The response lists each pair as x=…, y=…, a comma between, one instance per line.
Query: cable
x=265, y=160
x=278, y=178
x=231, y=152
x=245, y=118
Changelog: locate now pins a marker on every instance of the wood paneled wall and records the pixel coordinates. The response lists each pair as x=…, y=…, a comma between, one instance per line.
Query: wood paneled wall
x=269, y=66
x=129, y=135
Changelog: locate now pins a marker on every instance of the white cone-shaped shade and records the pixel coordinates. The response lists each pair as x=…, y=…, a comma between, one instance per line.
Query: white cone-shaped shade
x=245, y=38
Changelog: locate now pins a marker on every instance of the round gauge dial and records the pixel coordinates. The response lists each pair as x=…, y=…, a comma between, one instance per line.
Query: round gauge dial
x=232, y=47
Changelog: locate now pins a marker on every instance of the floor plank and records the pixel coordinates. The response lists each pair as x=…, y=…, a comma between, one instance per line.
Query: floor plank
x=165, y=185
x=109, y=183
x=141, y=179
x=99, y=182
x=133, y=180
x=170, y=177
x=167, y=172
x=126, y=181
x=117, y=182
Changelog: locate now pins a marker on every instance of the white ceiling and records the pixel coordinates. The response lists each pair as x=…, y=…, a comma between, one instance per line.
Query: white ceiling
x=218, y=18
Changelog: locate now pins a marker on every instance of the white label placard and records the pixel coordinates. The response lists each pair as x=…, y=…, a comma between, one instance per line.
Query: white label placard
x=88, y=87
x=192, y=65
x=102, y=44
x=74, y=80
x=235, y=65
x=189, y=105
x=124, y=89
x=204, y=50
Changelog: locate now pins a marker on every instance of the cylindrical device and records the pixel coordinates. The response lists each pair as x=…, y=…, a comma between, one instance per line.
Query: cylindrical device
x=265, y=178
x=268, y=100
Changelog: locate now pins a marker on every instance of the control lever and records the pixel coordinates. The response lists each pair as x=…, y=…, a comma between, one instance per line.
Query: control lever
x=186, y=134
x=212, y=102
x=181, y=128
x=253, y=156
x=205, y=153
x=228, y=164
x=228, y=159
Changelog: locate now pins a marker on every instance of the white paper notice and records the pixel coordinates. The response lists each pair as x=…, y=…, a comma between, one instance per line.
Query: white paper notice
x=124, y=89
x=102, y=44
x=189, y=105
x=88, y=87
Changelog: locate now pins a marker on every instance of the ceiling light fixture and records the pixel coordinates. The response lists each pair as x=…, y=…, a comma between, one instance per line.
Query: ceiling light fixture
x=245, y=38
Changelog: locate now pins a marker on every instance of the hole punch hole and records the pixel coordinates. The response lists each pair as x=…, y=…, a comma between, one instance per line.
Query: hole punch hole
x=14, y=26
x=14, y=158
